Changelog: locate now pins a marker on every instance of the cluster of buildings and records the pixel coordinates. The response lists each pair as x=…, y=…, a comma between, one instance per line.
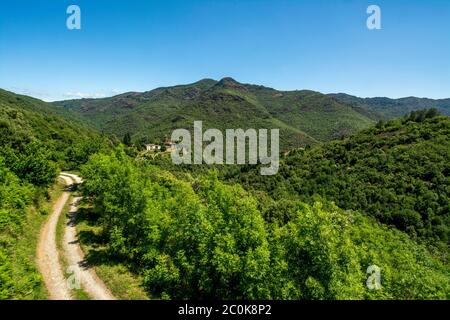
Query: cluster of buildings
x=169, y=145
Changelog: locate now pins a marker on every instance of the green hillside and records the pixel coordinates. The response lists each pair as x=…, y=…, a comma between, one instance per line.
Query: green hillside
x=304, y=117
x=26, y=121
x=385, y=108
x=312, y=112
x=397, y=172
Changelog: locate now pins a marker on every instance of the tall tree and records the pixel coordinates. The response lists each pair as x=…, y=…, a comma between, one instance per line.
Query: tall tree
x=127, y=139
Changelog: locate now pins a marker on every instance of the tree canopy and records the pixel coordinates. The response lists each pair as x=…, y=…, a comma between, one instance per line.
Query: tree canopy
x=200, y=238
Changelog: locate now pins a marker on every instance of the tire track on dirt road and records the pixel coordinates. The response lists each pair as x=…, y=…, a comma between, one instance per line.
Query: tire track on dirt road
x=48, y=259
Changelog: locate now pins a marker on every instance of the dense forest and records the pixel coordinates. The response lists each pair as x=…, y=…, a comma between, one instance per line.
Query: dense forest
x=397, y=172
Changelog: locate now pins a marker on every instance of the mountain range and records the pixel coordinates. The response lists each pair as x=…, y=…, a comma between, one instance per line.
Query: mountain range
x=304, y=117
x=386, y=108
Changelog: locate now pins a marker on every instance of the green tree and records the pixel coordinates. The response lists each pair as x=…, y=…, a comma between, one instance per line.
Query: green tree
x=127, y=139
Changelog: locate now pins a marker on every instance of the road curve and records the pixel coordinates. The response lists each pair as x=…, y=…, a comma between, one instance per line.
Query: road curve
x=75, y=257
x=47, y=252
x=48, y=259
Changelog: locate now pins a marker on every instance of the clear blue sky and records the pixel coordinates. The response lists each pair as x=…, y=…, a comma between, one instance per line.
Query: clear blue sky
x=137, y=45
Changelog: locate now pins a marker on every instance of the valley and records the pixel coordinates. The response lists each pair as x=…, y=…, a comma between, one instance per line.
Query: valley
x=354, y=189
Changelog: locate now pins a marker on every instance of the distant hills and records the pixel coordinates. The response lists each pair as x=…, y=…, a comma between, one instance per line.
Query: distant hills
x=385, y=108
x=304, y=117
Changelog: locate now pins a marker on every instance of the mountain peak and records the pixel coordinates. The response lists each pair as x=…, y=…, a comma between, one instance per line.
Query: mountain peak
x=228, y=79
x=205, y=81
x=229, y=82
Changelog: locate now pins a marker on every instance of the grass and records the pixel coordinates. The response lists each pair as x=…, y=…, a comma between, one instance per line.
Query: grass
x=24, y=258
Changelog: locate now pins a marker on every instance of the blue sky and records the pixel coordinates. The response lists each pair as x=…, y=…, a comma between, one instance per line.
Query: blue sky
x=138, y=45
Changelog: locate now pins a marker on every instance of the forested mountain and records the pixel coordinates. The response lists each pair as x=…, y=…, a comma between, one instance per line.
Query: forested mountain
x=397, y=172
x=304, y=117
x=35, y=143
x=385, y=108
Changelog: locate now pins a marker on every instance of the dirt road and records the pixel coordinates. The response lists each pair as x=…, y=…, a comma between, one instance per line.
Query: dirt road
x=48, y=258
x=47, y=252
